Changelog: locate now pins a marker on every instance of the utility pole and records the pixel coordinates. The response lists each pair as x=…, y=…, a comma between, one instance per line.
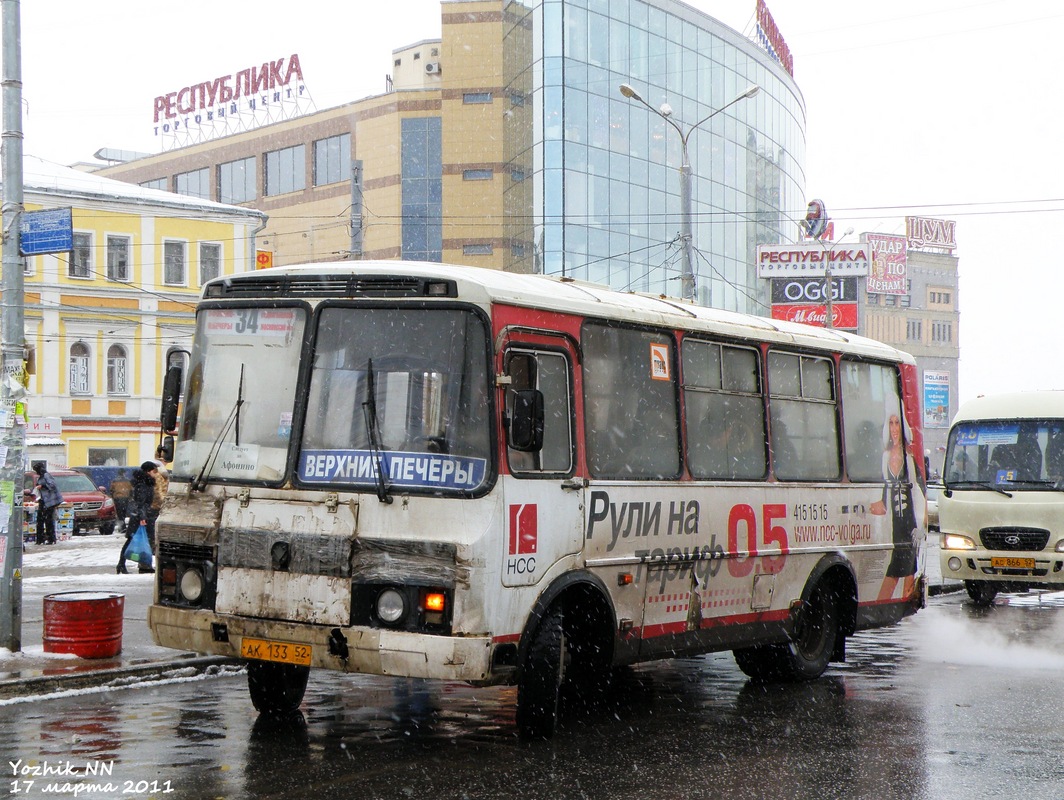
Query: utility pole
x=356, y=210
x=12, y=338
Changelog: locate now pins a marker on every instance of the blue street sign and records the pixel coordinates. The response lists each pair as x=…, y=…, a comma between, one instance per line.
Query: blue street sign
x=50, y=231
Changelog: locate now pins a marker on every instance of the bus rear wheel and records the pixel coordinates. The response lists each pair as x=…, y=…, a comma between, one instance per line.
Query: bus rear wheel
x=539, y=688
x=276, y=688
x=981, y=592
x=808, y=653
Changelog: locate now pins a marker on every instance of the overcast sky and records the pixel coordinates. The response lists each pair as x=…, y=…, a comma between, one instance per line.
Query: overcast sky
x=941, y=108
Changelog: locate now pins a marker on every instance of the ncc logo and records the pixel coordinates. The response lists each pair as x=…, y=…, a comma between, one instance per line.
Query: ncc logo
x=524, y=529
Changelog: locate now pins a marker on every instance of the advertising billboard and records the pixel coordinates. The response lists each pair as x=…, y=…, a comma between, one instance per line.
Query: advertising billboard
x=888, y=273
x=812, y=259
x=936, y=399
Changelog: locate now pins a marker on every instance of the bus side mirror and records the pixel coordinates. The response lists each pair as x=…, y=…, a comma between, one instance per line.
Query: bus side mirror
x=526, y=421
x=167, y=447
x=171, y=396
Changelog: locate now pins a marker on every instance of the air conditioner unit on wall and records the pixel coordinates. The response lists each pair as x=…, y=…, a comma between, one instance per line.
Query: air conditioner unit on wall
x=432, y=67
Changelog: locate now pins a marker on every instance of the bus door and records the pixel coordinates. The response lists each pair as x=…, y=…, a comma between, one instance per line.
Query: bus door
x=543, y=501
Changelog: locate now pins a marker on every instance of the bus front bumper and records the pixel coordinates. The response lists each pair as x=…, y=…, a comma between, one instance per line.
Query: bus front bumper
x=372, y=651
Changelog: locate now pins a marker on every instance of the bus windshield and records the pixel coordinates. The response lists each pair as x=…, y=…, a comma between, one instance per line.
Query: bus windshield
x=237, y=418
x=1015, y=454
x=398, y=400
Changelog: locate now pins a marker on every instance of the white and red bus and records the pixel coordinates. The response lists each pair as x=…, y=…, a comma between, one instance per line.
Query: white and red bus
x=444, y=472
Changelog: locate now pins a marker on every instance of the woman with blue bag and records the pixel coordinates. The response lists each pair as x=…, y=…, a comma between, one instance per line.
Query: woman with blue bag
x=141, y=529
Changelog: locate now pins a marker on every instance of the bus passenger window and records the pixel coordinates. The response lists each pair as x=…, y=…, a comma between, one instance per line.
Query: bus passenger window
x=630, y=404
x=805, y=437
x=725, y=412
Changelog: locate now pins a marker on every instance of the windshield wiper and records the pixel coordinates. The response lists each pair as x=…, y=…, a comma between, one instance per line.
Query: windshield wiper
x=200, y=483
x=369, y=410
x=978, y=484
x=1056, y=486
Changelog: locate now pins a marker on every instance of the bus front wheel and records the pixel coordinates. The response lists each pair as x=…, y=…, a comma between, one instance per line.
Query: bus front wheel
x=981, y=592
x=539, y=687
x=808, y=653
x=276, y=688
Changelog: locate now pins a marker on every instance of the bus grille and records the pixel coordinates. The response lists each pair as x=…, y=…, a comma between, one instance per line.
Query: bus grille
x=178, y=551
x=328, y=286
x=1014, y=538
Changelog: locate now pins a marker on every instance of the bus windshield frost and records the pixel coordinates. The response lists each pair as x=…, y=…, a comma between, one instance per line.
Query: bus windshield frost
x=444, y=472
x=406, y=394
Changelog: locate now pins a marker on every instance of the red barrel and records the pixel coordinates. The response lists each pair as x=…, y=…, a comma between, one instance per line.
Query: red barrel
x=87, y=624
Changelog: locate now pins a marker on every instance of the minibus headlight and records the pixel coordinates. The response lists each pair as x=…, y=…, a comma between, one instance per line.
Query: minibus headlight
x=1060, y=546
x=954, y=541
x=390, y=606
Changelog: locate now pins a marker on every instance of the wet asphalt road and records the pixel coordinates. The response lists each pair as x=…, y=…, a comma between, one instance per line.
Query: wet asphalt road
x=954, y=703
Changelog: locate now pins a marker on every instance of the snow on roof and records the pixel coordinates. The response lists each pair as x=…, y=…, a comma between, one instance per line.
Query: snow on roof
x=47, y=177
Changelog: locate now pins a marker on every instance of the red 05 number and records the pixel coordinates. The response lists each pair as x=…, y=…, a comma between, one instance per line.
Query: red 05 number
x=773, y=534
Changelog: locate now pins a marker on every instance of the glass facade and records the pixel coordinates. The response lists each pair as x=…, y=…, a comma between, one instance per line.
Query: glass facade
x=422, y=186
x=600, y=172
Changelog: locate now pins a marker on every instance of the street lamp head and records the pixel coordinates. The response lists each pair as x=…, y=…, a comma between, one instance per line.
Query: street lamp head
x=848, y=232
x=665, y=110
x=629, y=92
x=751, y=91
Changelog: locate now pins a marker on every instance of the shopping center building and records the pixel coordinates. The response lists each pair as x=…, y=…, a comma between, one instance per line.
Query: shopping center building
x=507, y=143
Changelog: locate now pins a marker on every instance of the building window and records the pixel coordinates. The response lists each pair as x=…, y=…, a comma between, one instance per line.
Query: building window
x=478, y=175
x=236, y=181
x=158, y=183
x=210, y=261
x=79, y=368
x=905, y=300
x=939, y=298
x=914, y=330
x=477, y=249
x=286, y=170
x=422, y=188
x=194, y=184
x=118, y=258
x=332, y=159
x=941, y=332
x=80, y=265
x=174, y=261
x=474, y=98
x=116, y=370
x=873, y=299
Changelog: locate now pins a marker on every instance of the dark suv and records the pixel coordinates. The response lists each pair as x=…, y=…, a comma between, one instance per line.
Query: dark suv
x=93, y=510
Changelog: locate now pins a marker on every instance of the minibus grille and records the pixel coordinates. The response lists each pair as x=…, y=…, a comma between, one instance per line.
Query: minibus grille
x=1014, y=538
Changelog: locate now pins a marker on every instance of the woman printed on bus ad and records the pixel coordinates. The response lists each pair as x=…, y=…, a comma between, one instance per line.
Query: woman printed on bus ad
x=900, y=476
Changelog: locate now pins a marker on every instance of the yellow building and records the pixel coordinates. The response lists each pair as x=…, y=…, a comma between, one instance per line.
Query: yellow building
x=104, y=319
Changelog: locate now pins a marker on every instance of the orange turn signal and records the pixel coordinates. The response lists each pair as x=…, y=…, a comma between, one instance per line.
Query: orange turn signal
x=434, y=601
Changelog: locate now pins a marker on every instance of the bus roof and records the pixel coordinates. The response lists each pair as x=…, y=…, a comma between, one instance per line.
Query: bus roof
x=1043, y=404
x=567, y=295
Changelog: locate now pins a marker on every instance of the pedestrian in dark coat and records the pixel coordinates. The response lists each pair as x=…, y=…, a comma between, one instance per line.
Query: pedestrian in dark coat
x=49, y=498
x=140, y=510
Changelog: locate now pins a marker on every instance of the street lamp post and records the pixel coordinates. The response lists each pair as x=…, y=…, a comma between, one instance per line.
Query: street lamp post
x=687, y=276
x=829, y=313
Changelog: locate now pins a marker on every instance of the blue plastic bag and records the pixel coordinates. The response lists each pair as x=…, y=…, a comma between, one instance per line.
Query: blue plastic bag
x=138, y=549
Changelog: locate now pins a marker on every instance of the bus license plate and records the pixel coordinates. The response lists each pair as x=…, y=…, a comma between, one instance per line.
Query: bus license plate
x=283, y=652
x=1012, y=563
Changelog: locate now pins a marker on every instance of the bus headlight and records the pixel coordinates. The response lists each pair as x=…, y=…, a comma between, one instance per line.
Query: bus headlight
x=954, y=541
x=390, y=606
x=192, y=585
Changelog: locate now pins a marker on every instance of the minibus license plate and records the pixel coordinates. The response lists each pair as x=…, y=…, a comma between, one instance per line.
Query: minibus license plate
x=1012, y=563
x=283, y=652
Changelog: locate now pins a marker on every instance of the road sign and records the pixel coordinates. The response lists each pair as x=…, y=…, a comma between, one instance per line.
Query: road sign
x=49, y=231
x=263, y=259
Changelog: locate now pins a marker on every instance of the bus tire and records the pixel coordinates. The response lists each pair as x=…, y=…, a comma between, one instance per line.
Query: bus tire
x=982, y=593
x=539, y=687
x=808, y=653
x=276, y=688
